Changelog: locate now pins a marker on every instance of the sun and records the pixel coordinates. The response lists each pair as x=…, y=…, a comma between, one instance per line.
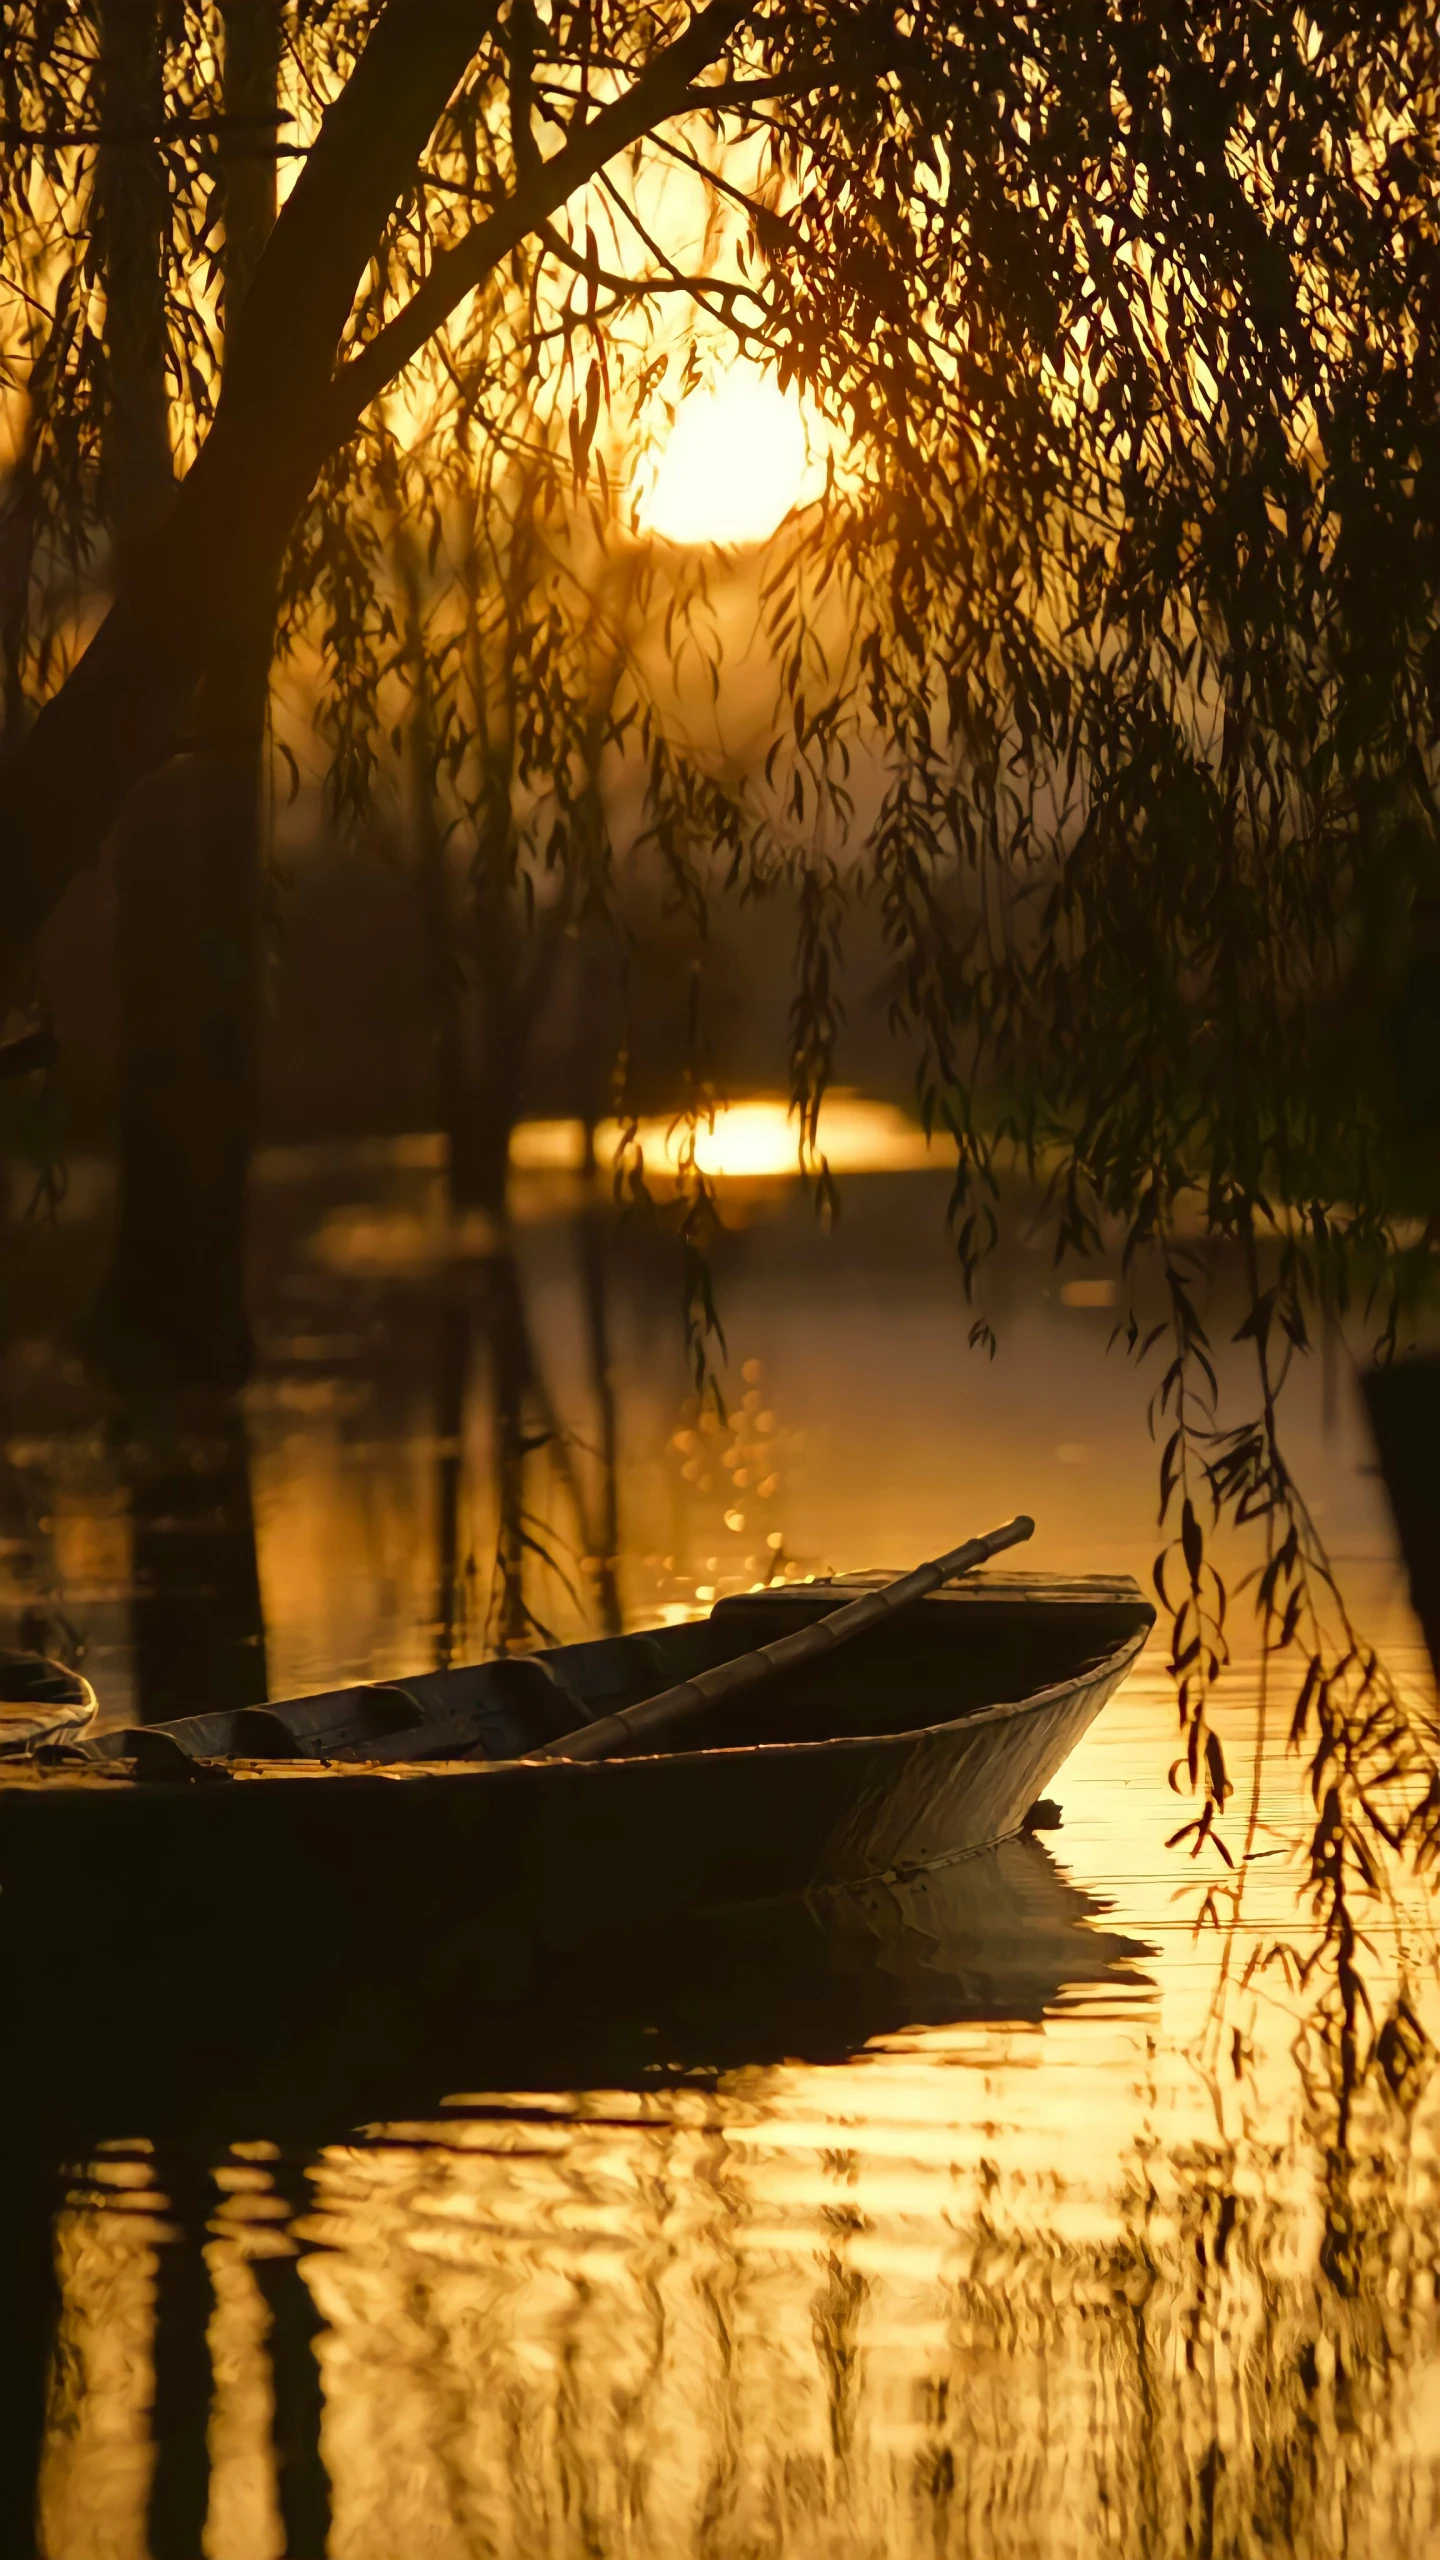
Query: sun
x=737, y=459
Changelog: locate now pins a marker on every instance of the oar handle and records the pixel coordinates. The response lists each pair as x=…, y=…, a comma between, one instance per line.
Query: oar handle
x=651, y=1715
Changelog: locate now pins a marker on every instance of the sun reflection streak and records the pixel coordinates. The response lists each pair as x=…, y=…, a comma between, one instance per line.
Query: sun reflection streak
x=757, y=1139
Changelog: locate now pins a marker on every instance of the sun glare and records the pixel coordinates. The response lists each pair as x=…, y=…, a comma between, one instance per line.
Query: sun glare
x=750, y=1140
x=734, y=464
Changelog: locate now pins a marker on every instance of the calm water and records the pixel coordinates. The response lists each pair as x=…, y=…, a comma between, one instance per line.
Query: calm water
x=990, y=2239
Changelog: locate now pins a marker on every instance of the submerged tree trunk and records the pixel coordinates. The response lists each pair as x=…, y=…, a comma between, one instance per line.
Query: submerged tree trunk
x=197, y=1629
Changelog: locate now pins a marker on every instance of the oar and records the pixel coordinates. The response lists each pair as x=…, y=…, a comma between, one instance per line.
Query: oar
x=748, y=1670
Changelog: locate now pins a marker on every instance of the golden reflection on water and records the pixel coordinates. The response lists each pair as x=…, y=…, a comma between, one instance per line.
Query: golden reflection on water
x=909, y=2303
x=1030, y=2279
x=1034, y=2272
x=98, y=2454
x=890, y=1436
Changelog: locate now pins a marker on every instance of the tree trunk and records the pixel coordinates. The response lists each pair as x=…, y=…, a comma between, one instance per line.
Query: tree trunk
x=19, y=533
x=477, y=965
x=196, y=1625
x=172, y=1312
x=590, y=1067
x=1402, y=1401
x=477, y=1060
x=190, y=881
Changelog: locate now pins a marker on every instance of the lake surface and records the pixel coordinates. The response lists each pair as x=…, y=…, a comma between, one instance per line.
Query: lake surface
x=1025, y=2240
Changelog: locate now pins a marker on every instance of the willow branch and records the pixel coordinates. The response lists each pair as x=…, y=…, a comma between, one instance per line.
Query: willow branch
x=659, y=92
x=759, y=213
x=742, y=93
x=632, y=287
x=64, y=137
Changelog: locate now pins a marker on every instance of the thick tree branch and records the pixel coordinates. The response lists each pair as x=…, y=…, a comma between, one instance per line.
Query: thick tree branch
x=658, y=92
x=363, y=160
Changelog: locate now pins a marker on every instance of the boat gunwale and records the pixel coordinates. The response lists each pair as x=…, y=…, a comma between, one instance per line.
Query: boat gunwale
x=1112, y=1666
x=1116, y=1663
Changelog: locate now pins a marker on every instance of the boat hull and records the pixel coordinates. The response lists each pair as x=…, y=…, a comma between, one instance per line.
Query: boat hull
x=415, y=1852
x=250, y=1905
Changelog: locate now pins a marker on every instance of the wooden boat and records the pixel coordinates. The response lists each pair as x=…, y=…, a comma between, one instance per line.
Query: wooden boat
x=927, y=1737
x=241, y=1878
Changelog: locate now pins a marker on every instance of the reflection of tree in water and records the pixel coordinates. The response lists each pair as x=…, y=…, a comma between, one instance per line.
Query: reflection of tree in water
x=1236, y=2393
x=787, y=2311
x=185, y=2403
x=835, y=2316
x=1193, y=2383
x=593, y=1228
x=148, y=1516
x=484, y=1333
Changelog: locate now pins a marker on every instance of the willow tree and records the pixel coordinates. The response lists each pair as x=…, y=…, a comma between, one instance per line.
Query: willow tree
x=1121, y=598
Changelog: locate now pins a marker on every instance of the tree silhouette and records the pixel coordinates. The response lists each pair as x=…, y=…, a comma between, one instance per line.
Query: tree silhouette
x=1109, y=651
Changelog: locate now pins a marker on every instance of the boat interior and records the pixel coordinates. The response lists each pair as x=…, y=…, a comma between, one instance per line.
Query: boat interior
x=990, y=1640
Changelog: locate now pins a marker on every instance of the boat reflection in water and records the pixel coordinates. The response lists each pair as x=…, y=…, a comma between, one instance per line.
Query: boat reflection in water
x=473, y=2327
